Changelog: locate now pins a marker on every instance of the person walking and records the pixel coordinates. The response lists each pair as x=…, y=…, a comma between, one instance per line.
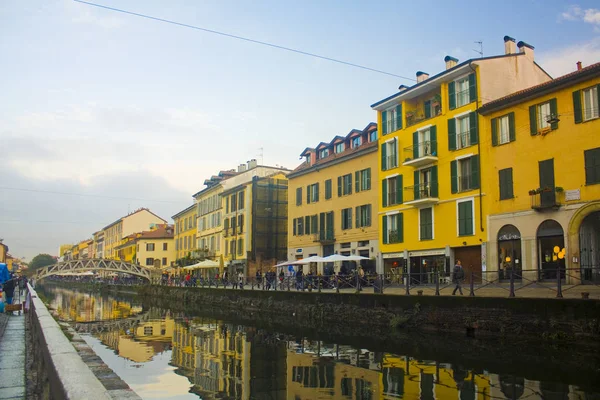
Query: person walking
x=241, y=279
x=9, y=289
x=458, y=274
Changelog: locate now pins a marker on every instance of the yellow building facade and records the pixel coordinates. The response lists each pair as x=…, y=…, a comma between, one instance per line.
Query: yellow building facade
x=432, y=204
x=137, y=221
x=542, y=154
x=185, y=223
x=333, y=199
x=3, y=252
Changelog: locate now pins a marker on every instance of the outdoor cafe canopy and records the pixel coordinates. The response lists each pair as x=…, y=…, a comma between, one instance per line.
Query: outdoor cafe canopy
x=202, y=265
x=317, y=259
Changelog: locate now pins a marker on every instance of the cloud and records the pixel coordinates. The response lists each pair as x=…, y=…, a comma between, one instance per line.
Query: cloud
x=89, y=15
x=576, y=13
x=573, y=13
x=563, y=60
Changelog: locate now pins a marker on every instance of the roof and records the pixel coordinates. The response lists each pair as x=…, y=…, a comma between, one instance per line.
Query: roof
x=541, y=89
x=445, y=72
x=184, y=211
x=215, y=179
x=353, y=132
x=133, y=213
x=164, y=231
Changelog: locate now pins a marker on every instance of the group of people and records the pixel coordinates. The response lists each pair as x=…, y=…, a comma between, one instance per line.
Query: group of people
x=11, y=282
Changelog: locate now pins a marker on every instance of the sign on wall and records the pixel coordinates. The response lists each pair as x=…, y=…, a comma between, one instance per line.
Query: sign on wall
x=483, y=256
x=571, y=195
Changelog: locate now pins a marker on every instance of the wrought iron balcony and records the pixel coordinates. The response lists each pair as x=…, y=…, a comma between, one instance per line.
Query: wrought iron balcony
x=393, y=236
x=205, y=253
x=391, y=161
x=324, y=236
x=422, y=154
x=391, y=125
x=425, y=193
x=544, y=199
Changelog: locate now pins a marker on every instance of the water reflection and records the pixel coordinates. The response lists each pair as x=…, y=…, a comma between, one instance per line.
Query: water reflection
x=166, y=355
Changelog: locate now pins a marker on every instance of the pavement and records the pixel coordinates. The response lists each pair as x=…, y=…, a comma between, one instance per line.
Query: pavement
x=12, y=356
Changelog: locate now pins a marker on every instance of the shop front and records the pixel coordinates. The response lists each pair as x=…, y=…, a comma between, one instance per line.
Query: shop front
x=393, y=267
x=509, y=253
x=423, y=266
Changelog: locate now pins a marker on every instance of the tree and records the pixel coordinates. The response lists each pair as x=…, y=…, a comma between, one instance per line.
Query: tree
x=41, y=260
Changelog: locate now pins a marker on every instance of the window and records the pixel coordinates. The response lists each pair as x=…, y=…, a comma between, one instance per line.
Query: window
x=373, y=136
x=299, y=196
x=149, y=246
x=323, y=153
x=506, y=183
x=241, y=200
x=148, y=331
x=149, y=261
x=185, y=224
x=312, y=193
x=240, y=247
x=344, y=185
x=592, y=166
x=425, y=142
x=426, y=223
x=392, y=191
x=164, y=261
x=233, y=224
x=503, y=129
x=339, y=147
x=590, y=103
x=232, y=247
x=356, y=141
x=176, y=245
x=462, y=92
x=389, y=155
x=363, y=216
x=233, y=202
x=185, y=242
x=426, y=183
x=346, y=218
x=226, y=226
x=393, y=228
x=543, y=116
x=464, y=174
x=328, y=189
x=240, y=223
x=307, y=224
x=363, y=180
x=391, y=120
x=227, y=205
x=165, y=246
x=462, y=132
x=298, y=226
x=465, y=218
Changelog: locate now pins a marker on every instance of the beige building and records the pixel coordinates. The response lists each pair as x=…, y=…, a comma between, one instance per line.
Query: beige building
x=137, y=221
x=185, y=231
x=156, y=247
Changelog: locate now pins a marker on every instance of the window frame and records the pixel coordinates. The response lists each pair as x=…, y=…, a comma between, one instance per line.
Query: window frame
x=394, y=216
x=421, y=238
x=346, y=186
x=499, y=121
x=323, y=153
x=150, y=247
x=458, y=202
x=355, y=142
x=542, y=119
x=339, y=147
x=466, y=134
x=373, y=137
x=512, y=190
x=346, y=218
x=149, y=263
x=457, y=83
x=363, y=216
x=594, y=155
x=594, y=98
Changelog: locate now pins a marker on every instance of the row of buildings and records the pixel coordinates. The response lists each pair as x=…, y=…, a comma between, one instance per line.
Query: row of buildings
x=491, y=162
x=13, y=264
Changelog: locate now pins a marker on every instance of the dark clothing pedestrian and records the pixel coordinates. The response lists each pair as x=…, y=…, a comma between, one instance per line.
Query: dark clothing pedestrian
x=9, y=289
x=458, y=274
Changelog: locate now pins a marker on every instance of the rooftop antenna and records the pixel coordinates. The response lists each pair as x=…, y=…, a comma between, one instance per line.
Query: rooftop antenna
x=480, y=51
x=261, y=154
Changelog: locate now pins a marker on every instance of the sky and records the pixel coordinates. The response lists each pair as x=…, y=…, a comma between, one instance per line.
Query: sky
x=103, y=112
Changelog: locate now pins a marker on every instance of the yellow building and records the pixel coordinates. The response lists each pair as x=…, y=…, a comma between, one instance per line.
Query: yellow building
x=98, y=238
x=127, y=250
x=75, y=252
x=3, y=252
x=542, y=159
x=432, y=207
x=63, y=248
x=156, y=247
x=334, y=194
x=137, y=221
x=185, y=231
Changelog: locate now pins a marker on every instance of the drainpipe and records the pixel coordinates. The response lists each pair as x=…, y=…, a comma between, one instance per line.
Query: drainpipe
x=479, y=152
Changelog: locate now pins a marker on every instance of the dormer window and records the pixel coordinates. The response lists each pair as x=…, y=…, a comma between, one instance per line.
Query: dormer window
x=373, y=136
x=339, y=147
x=307, y=158
x=356, y=141
x=323, y=153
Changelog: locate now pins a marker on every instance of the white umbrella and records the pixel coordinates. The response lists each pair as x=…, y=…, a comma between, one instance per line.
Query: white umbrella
x=208, y=264
x=285, y=263
x=356, y=258
x=336, y=257
x=311, y=259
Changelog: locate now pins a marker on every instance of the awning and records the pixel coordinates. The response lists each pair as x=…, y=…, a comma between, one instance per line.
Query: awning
x=203, y=265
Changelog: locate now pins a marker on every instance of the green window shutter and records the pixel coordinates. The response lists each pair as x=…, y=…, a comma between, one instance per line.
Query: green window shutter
x=294, y=228
x=465, y=218
x=502, y=183
x=317, y=192
x=383, y=156
x=511, y=127
x=590, y=164
x=532, y=120
x=308, y=194
x=461, y=219
x=327, y=189
x=350, y=218
x=474, y=181
x=350, y=183
x=415, y=145
x=368, y=178
x=451, y=96
x=384, y=194
x=399, y=189
x=369, y=215
x=298, y=196
x=453, y=177
x=416, y=188
x=506, y=184
x=433, y=139
x=427, y=106
x=400, y=224
x=339, y=186
x=494, y=131
x=469, y=217
x=577, y=107
x=399, y=116
x=307, y=225
x=452, y=134
x=472, y=87
x=509, y=183
x=383, y=123
x=357, y=181
x=473, y=128
x=384, y=229
x=434, y=181
x=554, y=113
x=357, y=220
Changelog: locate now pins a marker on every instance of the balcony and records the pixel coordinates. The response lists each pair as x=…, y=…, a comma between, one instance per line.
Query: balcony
x=392, y=197
x=325, y=236
x=545, y=199
x=422, y=154
x=429, y=107
x=423, y=194
x=203, y=253
x=393, y=236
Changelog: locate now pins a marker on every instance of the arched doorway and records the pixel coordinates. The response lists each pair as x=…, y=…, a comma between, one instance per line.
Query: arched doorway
x=589, y=248
x=509, y=252
x=550, y=236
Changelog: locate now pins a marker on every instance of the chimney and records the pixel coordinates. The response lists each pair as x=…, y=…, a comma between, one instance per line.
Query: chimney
x=241, y=167
x=450, y=62
x=526, y=49
x=422, y=76
x=252, y=163
x=402, y=88
x=578, y=65
x=509, y=45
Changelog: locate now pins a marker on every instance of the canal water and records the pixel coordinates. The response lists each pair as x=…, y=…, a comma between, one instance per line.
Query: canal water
x=167, y=355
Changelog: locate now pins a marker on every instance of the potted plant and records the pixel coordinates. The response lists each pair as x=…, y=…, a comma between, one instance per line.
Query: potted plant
x=559, y=189
x=407, y=159
x=436, y=100
x=532, y=192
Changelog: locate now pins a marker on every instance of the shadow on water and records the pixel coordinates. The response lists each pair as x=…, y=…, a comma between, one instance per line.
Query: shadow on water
x=188, y=352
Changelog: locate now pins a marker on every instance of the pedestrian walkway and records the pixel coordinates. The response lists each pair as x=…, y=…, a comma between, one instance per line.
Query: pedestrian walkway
x=12, y=356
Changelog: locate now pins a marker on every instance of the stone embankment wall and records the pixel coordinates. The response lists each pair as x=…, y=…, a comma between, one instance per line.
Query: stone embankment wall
x=377, y=314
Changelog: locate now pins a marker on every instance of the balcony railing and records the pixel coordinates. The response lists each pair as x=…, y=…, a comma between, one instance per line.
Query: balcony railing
x=393, y=236
x=392, y=197
x=391, y=161
x=464, y=183
x=203, y=253
x=423, y=153
x=544, y=199
x=415, y=118
x=325, y=235
x=391, y=125
x=463, y=139
x=422, y=193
